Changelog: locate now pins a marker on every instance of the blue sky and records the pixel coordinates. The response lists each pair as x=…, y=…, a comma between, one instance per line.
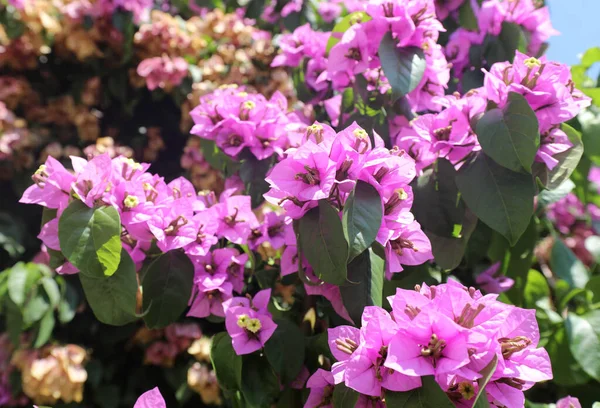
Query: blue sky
x=579, y=24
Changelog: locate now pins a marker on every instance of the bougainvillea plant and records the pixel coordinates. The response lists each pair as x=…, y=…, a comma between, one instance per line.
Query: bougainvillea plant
x=386, y=203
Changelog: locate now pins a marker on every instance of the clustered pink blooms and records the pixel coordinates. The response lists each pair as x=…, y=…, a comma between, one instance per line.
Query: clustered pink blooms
x=549, y=90
x=412, y=24
x=449, y=331
x=327, y=165
x=79, y=9
x=248, y=322
x=171, y=215
x=163, y=72
x=178, y=338
x=450, y=134
x=528, y=14
x=447, y=134
x=566, y=212
x=235, y=120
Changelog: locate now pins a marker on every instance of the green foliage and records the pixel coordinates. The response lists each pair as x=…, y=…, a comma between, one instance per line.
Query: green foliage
x=167, y=287
x=287, y=337
x=90, y=238
x=322, y=242
x=430, y=395
x=361, y=218
x=227, y=364
x=403, y=67
x=344, y=397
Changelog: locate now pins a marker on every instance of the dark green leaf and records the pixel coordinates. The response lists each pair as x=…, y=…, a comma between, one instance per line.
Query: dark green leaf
x=403, y=67
x=567, y=161
x=45, y=329
x=548, y=197
x=68, y=305
x=253, y=173
x=34, y=310
x=501, y=198
x=340, y=28
x=467, y=18
x=430, y=395
x=366, y=274
x=260, y=385
x=584, y=344
x=344, y=397
x=14, y=321
x=323, y=243
x=227, y=364
x=51, y=288
x=448, y=252
x=113, y=298
x=565, y=369
x=278, y=350
x=480, y=400
x=567, y=266
x=361, y=218
x=91, y=238
x=503, y=47
x=510, y=135
x=518, y=259
x=167, y=288
x=437, y=206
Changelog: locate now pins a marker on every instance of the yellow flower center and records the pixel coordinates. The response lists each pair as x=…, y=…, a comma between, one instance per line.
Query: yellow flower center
x=242, y=94
x=41, y=169
x=532, y=62
x=131, y=201
x=401, y=194
x=243, y=321
x=133, y=164
x=253, y=325
x=314, y=128
x=360, y=133
x=147, y=186
x=249, y=105
x=466, y=389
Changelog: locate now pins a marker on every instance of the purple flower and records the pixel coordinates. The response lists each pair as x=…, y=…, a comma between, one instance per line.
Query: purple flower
x=151, y=399
x=249, y=326
x=235, y=218
x=492, y=282
x=568, y=402
x=321, y=389
x=52, y=185
x=208, y=295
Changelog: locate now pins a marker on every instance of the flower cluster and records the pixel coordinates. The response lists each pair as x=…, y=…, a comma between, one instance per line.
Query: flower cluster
x=449, y=331
x=52, y=374
x=163, y=72
x=529, y=15
x=248, y=322
x=450, y=134
x=235, y=120
x=163, y=346
x=327, y=166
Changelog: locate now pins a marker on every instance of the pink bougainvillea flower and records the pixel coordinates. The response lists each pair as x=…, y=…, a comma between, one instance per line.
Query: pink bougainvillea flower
x=52, y=185
x=568, y=402
x=321, y=390
x=492, y=282
x=151, y=399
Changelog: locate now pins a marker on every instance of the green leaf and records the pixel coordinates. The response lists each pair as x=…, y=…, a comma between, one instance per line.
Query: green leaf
x=548, y=197
x=14, y=321
x=565, y=369
x=590, y=57
x=323, y=243
x=167, y=288
x=567, y=161
x=344, y=397
x=45, y=329
x=503, y=47
x=227, y=364
x=91, y=238
x=518, y=259
x=343, y=26
x=68, y=305
x=366, y=274
x=584, y=343
x=593, y=286
x=480, y=400
x=34, y=310
x=429, y=395
x=501, y=198
x=510, y=135
x=467, y=18
x=536, y=289
x=260, y=385
x=449, y=252
x=361, y=218
x=437, y=205
x=21, y=278
x=590, y=132
x=113, y=298
x=567, y=266
x=403, y=67
x=51, y=288
x=278, y=350
x=253, y=173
